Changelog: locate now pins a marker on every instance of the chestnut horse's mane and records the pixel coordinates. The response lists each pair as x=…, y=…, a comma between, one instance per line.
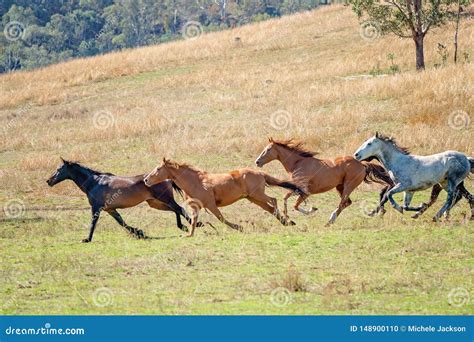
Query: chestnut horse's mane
x=294, y=146
x=392, y=141
x=176, y=165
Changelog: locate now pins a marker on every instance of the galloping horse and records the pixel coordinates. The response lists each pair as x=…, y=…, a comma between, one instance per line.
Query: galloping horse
x=321, y=175
x=413, y=173
x=108, y=192
x=213, y=190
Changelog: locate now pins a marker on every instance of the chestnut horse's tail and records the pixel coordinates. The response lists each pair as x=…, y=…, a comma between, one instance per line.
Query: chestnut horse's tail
x=377, y=173
x=272, y=181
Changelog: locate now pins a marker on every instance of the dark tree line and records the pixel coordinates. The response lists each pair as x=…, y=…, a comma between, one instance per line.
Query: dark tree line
x=41, y=32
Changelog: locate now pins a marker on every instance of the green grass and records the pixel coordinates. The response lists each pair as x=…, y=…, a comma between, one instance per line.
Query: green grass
x=361, y=265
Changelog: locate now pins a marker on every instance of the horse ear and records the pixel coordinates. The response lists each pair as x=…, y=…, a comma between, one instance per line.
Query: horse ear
x=377, y=134
x=270, y=139
x=64, y=160
x=165, y=160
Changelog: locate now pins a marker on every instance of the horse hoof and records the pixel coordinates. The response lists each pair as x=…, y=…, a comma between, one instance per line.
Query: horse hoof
x=199, y=224
x=292, y=223
x=86, y=240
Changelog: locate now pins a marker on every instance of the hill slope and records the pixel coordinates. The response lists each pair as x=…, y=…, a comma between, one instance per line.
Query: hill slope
x=213, y=102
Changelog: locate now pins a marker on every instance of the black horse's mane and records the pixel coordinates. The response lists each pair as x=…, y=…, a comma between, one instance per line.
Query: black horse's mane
x=88, y=169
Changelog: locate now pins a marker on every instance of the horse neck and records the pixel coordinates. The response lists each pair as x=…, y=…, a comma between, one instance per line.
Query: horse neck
x=288, y=159
x=81, y=176
x=184, y=178
x=390, y=157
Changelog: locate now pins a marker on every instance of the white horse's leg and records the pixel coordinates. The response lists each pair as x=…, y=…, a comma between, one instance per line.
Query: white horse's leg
x=449, y=201
x=395, y=190
x=407, y=200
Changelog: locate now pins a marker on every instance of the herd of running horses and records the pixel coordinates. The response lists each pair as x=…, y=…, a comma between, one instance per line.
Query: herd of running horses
x=397, y=170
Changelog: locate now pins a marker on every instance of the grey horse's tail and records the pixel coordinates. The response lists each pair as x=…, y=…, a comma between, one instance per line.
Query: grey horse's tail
x=377, y=173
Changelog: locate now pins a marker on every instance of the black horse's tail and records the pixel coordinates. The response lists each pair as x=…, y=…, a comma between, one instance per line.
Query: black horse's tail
x=471, y=161
x=177, y=188
x=272, y=181
x=377, y=173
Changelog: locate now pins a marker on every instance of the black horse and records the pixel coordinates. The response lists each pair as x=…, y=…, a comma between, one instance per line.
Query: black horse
x=107, y=192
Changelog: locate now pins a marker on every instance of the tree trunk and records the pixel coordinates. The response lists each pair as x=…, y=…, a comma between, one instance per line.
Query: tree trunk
x=420, y=57
x=456, y=33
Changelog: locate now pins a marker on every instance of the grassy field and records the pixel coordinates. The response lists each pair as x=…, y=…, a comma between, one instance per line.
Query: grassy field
x=213, y=102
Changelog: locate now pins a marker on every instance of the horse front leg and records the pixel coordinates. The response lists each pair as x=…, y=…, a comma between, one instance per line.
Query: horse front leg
x=407, y=200
x=95, y=217
x=395, y=190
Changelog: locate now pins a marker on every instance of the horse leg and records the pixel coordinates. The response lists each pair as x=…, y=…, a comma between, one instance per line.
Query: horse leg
x=194, y=220
x=95, y=217
x=407, y=200
x=451, y=189
x=389, y=194
x=269, y=204
x=457, y=197
x=300, y=200
x=434, y=196
x=468, y=196
x=344, y=191
x=134, y=231
x=217, y=213
x=380, y=209
x=175, y=207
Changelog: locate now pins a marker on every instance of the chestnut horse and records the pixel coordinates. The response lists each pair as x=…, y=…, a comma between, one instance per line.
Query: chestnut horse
x=321, y=175
x=213, y=190
x=107, y=192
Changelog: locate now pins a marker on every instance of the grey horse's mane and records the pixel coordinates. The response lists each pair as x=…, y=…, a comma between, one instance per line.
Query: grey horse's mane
x=393, y=142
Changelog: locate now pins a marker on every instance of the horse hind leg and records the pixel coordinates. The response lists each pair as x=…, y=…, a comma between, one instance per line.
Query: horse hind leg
x=380, y=209
x=435, y=191
x=470, y=198
x=344, y=191
x=138, y=233
x=452, y=194
x=270, y=205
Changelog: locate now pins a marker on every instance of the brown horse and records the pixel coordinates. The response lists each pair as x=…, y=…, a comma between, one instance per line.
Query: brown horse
x=213, y=190
x=107, y=192
x=321, y=175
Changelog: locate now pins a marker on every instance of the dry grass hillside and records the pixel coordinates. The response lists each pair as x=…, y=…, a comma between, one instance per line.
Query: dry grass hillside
x=213, y=102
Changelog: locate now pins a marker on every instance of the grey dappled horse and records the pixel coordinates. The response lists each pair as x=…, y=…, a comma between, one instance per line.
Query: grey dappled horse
x=413, y=173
